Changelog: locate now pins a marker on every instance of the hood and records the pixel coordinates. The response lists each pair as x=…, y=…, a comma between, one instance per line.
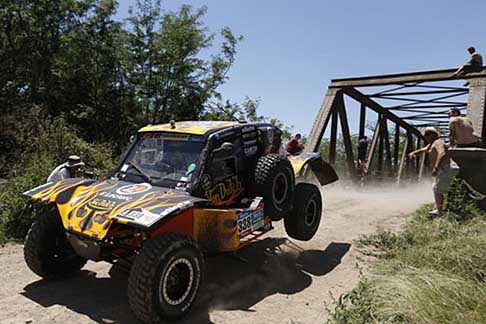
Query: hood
x=90, y=207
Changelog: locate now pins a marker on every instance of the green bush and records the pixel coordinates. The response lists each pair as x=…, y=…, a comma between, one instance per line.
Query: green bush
x=47, y=144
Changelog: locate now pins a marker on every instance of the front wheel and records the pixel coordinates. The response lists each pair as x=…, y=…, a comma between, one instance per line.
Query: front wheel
x=47, y=251
x=165, y=278
x=303, y=221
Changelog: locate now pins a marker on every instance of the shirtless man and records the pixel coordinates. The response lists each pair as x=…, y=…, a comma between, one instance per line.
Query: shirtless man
x=440, y=161
x=461, y=131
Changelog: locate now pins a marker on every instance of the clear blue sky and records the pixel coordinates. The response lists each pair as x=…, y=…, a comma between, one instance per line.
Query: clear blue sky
x=292, y=49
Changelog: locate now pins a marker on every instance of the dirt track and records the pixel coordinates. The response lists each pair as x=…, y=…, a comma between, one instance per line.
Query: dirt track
x=282, y=282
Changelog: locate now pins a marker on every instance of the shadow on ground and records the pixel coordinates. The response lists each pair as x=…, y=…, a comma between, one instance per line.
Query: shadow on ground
x=233, y=282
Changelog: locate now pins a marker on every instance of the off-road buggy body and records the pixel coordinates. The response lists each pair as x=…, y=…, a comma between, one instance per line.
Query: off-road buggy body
x=180, y=190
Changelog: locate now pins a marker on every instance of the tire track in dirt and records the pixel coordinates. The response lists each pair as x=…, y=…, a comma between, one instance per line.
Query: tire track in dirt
x=282, y=281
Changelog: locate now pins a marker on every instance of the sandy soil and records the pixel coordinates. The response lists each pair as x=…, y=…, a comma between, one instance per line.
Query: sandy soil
x=282, y=281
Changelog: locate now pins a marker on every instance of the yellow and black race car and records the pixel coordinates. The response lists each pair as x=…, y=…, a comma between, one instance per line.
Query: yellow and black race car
x=181, y=189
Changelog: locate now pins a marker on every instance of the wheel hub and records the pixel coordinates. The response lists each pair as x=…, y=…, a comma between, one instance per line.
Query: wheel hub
x=280, y=188
x=311, y=213
x=177, y=282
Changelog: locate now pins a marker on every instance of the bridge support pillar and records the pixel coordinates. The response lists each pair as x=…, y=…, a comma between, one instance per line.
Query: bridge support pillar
x=476, y=106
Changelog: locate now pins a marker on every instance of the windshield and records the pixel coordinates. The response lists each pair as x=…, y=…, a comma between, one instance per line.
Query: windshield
x=162, y=159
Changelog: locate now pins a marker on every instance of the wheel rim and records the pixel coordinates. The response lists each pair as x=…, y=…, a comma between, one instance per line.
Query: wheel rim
x=311, y=213
x=177, y=282
x=280, y=188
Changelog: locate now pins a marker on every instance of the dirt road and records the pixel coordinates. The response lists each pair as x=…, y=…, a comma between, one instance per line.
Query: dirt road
x=282, y=281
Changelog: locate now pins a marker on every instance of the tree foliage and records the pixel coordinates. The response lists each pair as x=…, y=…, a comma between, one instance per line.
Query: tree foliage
x=70, y=59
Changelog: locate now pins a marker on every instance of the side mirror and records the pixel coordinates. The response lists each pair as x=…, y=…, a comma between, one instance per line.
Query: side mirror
x=131, y=138
x=226, y=146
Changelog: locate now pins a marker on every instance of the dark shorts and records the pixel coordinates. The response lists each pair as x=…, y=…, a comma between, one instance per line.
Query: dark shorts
x=469, y=68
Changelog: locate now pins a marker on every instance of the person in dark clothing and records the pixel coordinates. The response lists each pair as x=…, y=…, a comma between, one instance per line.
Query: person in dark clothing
x=475, y=63
x=362, y=148
x=293, y=146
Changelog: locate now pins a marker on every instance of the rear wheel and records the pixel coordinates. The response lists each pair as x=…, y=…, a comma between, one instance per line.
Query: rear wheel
x=303, y=221
x=275, y=182
x=165, y=278
x=47, y=251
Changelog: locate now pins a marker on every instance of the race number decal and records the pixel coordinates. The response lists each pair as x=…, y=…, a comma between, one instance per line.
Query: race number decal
x=244, y=224
x=249, y=221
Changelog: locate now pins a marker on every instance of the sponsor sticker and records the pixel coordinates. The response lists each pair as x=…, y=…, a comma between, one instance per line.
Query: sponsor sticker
x=250, y=151
x=206, y=181
x=247, y=129
x=134, y=189
x=107, y=194
x=101, y=204
x=270, y=135
x=140, y=216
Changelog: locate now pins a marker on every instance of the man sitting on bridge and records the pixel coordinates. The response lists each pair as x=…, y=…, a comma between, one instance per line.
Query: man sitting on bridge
x=475, y=64
x=461, y=131
x=440, y=161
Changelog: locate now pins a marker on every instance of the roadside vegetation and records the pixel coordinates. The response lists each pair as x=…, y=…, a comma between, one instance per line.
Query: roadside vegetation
x=74, y=80
x=434, y=271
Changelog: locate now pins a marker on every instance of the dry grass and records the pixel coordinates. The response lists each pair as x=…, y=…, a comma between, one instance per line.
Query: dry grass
x=434, y=271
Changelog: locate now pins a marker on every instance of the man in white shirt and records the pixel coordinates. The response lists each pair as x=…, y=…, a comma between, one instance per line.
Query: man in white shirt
x=71, y=169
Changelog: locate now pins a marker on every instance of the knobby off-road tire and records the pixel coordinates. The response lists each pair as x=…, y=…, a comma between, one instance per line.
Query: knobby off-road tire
x=165, y=278
x=303, y=221
x=275, y=182
x=47, y=251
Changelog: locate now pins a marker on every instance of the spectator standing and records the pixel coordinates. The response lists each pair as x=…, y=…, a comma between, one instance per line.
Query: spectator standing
x=362, y=148
x=440, y=161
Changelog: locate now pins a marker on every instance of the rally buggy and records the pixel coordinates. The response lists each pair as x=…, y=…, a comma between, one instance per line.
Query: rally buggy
x=180, y=190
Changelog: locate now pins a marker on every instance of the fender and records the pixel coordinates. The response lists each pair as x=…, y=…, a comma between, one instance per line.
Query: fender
x=324, y=172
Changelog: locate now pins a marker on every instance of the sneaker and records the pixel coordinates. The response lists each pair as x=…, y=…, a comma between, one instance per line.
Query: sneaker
x=435, y=213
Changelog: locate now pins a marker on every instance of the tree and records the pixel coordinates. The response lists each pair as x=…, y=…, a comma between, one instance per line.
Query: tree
x=170, y=79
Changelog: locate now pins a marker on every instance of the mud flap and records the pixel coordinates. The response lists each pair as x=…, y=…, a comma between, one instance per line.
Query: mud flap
x=324, y=171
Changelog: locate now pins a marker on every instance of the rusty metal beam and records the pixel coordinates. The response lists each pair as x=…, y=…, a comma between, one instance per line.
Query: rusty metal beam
x=396, y=147
x=386, y=137
x=402, y=161
x=357, y=95
x=417, y=93
x=424, y=76
x=348, y=146
x=333, y=139
x=371, y=152
x=362, y=120
x=321, y=121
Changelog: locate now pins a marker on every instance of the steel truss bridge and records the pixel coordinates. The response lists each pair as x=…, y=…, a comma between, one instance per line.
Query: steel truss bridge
x=398, y=106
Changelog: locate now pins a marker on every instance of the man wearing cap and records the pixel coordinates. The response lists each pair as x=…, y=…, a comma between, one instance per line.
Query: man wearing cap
x=71, y=169
x=461, y=131
x=440, y=161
